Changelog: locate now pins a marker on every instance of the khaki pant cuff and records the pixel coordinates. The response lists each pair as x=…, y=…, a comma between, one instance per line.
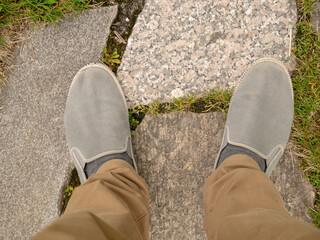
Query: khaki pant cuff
x=240, y=159
x=113, y=164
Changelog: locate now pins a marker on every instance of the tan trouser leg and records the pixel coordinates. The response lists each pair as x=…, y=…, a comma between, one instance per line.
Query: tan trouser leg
x=241, y=202
x=111, y=204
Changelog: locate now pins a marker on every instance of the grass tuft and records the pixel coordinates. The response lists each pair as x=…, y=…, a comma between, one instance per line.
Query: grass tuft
x=45, y=11
x=207, y=101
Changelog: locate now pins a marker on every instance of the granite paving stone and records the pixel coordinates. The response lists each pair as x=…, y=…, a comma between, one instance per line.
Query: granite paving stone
x=175, y=153
x=35, y=162
x=181, y=47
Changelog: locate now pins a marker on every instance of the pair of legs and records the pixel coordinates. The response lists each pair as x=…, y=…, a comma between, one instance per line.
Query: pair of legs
x=240, y=201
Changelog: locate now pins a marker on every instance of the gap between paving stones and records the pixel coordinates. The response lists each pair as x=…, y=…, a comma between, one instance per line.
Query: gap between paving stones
x=128, y=11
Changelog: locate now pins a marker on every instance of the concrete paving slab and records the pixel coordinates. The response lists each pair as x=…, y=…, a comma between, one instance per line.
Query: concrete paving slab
x=35, y=162
x=179, y=47
x=175, y=153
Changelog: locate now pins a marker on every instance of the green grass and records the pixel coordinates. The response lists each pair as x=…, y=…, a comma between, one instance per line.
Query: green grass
x=2, y=42
x=73, y=183
x=306, y=84
x=207, y=101
x=45, y=11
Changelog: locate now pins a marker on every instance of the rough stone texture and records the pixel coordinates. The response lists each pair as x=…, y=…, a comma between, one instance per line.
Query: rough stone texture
x=175, y=153
x=35, y=162
x=178, y=47
x=316, y=17
x=297, y=192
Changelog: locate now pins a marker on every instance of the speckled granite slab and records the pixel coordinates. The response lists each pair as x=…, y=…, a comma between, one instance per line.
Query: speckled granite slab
x=175, y=154
x=183, y=46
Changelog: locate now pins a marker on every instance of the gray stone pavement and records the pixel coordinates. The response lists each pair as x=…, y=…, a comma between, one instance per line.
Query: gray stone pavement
x=35, y=162
x=175, y=153
x=179, y=47
x=315, y=17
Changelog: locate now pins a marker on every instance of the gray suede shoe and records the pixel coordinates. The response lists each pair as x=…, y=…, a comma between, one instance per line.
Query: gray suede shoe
x=261, y=112
x=96, y=117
